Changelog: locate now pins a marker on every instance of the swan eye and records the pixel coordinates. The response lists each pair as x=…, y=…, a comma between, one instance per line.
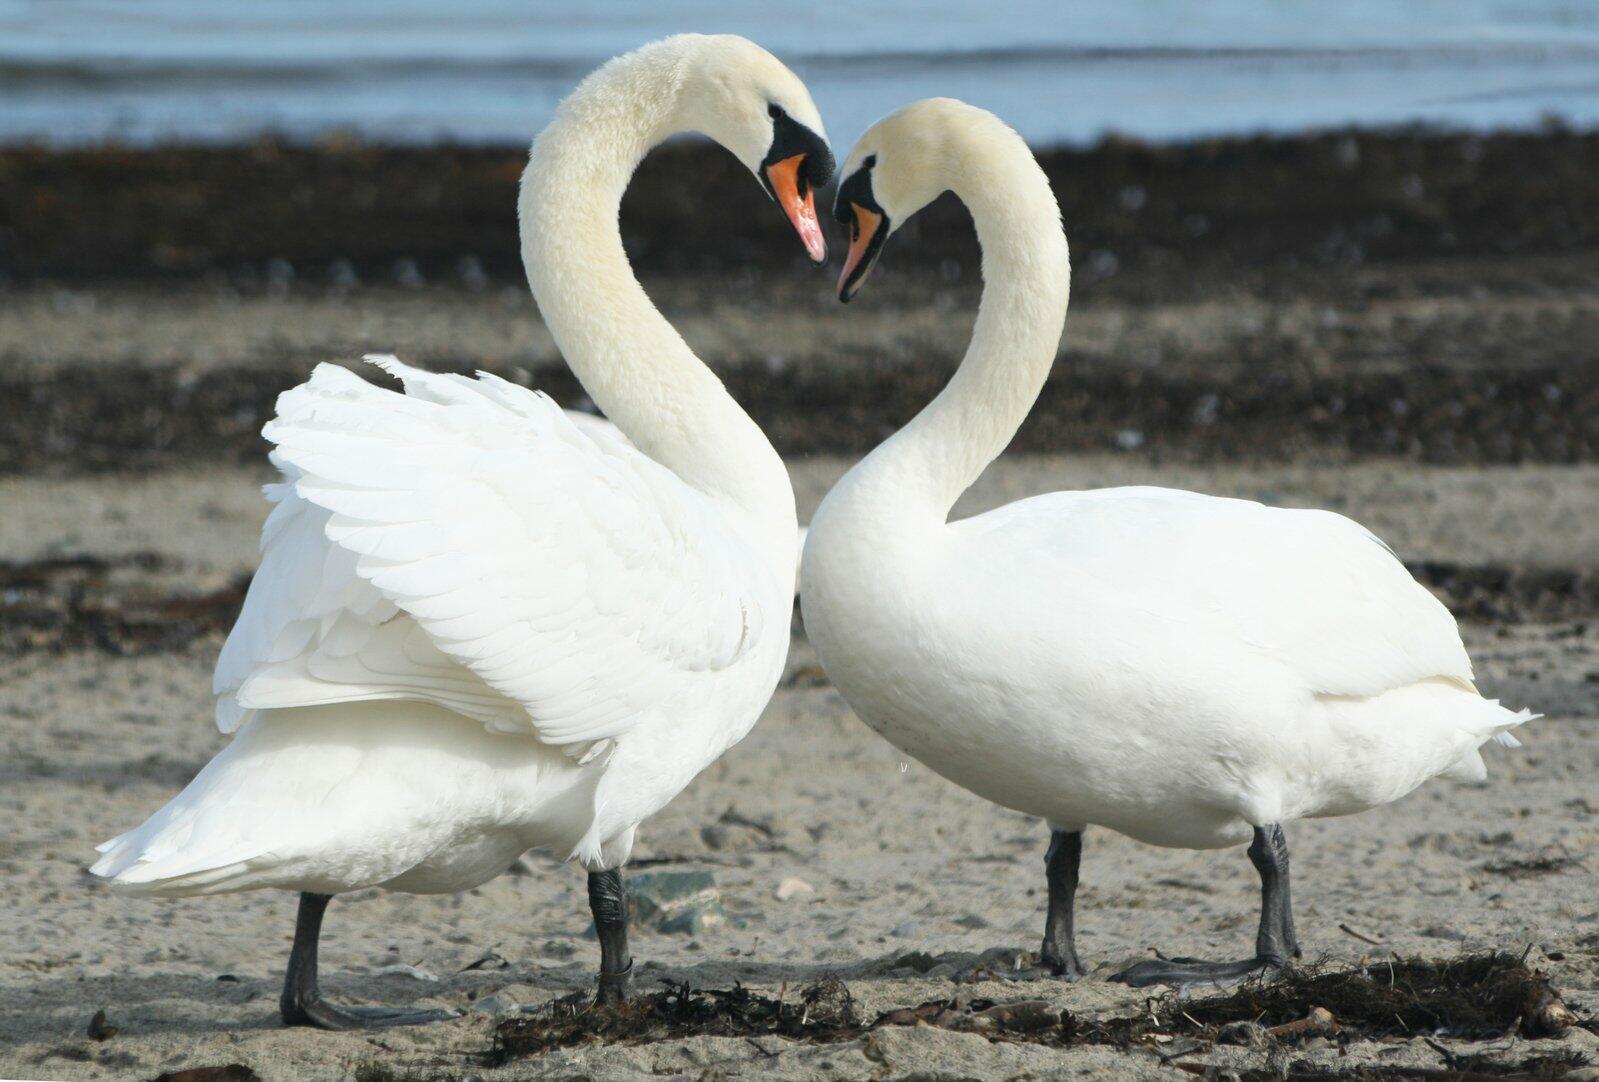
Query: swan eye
x=871, y=160
x=774, y=110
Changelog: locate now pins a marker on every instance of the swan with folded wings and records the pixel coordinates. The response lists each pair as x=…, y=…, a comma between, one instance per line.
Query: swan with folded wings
x=1191, y=671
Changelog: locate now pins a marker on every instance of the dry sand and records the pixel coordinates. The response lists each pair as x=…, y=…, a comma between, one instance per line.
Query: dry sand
x=900, y=860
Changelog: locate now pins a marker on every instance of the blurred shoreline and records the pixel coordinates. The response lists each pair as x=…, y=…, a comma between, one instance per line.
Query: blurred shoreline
x=1413, y=294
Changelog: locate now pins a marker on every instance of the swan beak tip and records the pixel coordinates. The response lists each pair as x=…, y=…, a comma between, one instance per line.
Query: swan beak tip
x=866, y=239
x=786, y=180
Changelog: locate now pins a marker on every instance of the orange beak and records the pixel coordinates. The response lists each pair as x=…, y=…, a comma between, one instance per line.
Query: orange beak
x=863, y=247
x=800, y=206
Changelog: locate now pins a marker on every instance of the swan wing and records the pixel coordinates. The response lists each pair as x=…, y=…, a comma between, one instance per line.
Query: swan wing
x=312, y=631
x=575, y=578
x=1312, y=590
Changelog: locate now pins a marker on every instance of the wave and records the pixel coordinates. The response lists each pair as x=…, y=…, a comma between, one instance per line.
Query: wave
x=113, y=73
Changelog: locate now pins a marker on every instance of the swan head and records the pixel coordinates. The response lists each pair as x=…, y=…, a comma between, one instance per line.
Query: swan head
x=904, y=162
x=744, y=98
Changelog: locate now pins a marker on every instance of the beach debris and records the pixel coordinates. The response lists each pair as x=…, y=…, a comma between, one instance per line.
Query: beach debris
x=732, y=817
x=1530, y=868
x=1354, y=933
x=99, y=1028
x=490, y=959
x=676, y=902
x=107, y=603
x=1544, y=1014
x=824, y=1012
x=1018, y=1016
x=1474, y=997
x=228, y=1072
x=792, y=887
x=1319, y=1021
x=1249, y=1034
x=496, y=1004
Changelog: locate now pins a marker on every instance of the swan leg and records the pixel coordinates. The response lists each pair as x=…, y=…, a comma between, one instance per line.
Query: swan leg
x=1057, y=958
x=1061, y=862
x=608, y=903
x=1275, y=943
x=302, y=1003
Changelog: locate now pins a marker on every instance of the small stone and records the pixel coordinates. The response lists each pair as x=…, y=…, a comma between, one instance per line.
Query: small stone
x=1248, y=1034
x=676, y=902
x=416, y=973
x=99, y=1028
x=715, y=837
x=792, y=887
x=496, y=1005
x=972, y=921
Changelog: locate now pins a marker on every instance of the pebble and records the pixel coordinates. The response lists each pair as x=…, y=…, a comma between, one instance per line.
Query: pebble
x=1249, y=1034
x=497, y=1004
x=792, y=887
x=416, y=973
x=676, y=902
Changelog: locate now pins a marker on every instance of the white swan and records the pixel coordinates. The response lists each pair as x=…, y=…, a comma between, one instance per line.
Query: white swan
x=1187, y=670
x=479, y=628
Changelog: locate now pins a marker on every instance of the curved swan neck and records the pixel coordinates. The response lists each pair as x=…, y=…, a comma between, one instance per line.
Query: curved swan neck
x=630, y=360
x=1027, y=277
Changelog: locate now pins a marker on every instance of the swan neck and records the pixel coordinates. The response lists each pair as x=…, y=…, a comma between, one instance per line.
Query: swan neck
x=630, y=360
x=1027, y=278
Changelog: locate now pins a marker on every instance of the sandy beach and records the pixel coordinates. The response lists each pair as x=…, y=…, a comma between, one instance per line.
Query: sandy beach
x=1441, y=385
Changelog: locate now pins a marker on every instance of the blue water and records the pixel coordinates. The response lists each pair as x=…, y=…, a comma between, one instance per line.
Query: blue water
x=73, y=71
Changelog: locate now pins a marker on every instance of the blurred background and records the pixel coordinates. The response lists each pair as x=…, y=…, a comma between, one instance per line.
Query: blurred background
x=1335, y=255
x=1338, y=255
x=1278, y=212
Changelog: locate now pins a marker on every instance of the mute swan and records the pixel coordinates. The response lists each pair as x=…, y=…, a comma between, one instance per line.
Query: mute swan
x=479, y=628
x=1187, y=670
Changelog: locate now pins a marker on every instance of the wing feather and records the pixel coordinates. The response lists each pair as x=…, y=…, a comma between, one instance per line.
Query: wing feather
x=466, y=543
x=1311, y=590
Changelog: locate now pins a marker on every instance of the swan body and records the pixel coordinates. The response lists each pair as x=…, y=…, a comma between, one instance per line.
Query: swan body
x=1187, y=670
x=1173, y=666
x=480, y=626
x=465, y=545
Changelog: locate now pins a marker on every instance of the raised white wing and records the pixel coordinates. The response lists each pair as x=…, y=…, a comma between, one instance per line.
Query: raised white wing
x=312, y=631
x=1312, y=590
x=476, y=549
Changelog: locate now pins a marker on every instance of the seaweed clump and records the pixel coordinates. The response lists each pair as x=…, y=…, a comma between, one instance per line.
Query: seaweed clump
x=1474, y=996
x=822, y=1012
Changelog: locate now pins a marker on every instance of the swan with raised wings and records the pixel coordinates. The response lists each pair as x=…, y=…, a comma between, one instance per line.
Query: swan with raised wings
x=1191, y=671
x=478, y=628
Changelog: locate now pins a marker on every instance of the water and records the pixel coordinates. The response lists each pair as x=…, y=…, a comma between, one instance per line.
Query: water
x=491, y=70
